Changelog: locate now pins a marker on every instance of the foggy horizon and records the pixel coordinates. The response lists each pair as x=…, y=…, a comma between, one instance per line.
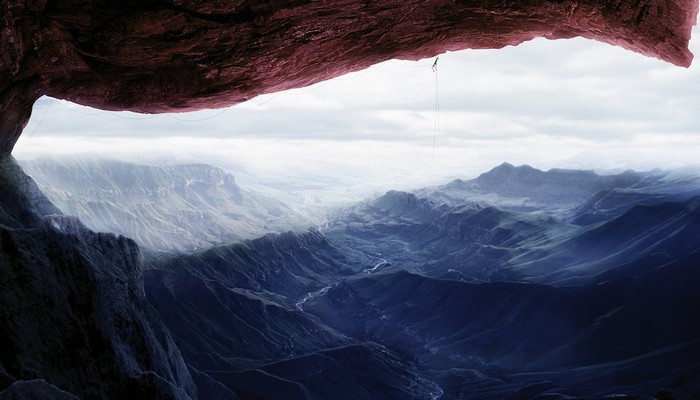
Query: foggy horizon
x=573, y=104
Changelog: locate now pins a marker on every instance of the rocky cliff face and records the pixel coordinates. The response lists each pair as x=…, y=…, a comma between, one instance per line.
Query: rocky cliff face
x=164, y=208
x=75, y=317
x=179, y=55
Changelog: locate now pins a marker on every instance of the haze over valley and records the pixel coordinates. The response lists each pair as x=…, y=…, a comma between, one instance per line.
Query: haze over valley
x=515, y=281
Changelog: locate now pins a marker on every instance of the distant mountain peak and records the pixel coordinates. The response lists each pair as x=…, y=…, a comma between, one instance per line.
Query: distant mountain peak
x=526, y=188
x=398, y=194
x=508, y=170
x=505, y=165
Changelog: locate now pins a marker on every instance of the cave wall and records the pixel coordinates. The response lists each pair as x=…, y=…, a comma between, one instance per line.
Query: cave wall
x=181, y=55
x=74, y=316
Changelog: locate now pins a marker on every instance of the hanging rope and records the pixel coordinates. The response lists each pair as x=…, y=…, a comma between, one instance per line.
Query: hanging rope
x=437, y=104
x=77, y=111
x=41, y=121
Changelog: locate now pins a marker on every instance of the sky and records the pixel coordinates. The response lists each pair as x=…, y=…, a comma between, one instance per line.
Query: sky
x=567, y=103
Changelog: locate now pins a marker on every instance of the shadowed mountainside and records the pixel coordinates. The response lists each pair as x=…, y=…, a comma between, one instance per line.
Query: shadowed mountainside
x=236, y=312
x=577, y=341
x=399, y=297
x=74, y=313
x=486, y=243
x=449, y=294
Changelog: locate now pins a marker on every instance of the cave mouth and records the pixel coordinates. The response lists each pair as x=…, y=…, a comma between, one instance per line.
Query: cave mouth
x=156, y=57
x=85, y=318
x=569, y=98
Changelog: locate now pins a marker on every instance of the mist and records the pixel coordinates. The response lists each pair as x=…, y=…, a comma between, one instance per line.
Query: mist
x=550, y=104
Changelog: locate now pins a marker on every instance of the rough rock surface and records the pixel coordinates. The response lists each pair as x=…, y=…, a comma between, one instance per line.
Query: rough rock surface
x=180, y=55
x=73, y=309
x=37, y=389
x=168, y=208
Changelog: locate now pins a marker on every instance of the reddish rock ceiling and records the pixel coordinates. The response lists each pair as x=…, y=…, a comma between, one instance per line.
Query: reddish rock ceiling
x=180, y=55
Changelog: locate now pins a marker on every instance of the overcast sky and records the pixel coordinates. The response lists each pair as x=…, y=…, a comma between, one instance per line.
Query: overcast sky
x=567, y=103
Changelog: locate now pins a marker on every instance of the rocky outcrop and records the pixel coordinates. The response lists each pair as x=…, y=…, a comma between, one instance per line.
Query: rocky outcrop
x=167, y=208
x=180, y=55
x=75, y=319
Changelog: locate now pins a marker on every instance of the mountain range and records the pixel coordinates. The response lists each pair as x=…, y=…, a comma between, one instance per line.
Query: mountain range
x=171, y=208
x=518, y=284
x=479, y=301
x=578, y=196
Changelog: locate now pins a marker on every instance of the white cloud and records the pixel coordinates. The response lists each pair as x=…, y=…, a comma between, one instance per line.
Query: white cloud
x=565, y=103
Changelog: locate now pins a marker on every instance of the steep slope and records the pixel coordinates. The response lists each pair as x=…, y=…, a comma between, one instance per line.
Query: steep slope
x=420, y=235
x=74, y=314
x=285, y=266
x=493, y=340
x=641, y=239
x=656, y=188
x=168, y=208
x=236, y=311
x=235, y=306
x=219, y=327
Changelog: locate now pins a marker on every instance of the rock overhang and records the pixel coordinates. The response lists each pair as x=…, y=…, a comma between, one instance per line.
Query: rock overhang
x=182, y=55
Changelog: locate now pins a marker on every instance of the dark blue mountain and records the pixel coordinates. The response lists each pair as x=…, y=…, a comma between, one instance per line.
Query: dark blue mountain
x=236, y=306
x=541, y=292
x=419, y=235
x=75, y=319
x=506, y=329
x=473, y=301
x=641, y=239
x=236, y=313
x=656, y=188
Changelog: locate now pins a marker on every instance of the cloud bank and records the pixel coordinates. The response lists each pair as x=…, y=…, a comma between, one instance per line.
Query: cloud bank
x=568, y=103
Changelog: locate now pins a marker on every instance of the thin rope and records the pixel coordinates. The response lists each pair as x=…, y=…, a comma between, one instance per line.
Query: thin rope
x=238, y=106
x=110, y=113
x=42, y=119
x=437, y=105
x=225, y=110
x=99, y=112
x=357, y=74
x=115, y=114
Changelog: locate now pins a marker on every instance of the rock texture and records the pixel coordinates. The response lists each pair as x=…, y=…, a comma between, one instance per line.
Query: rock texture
x=167, y=208
x=179, y=55
x=75, y=319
